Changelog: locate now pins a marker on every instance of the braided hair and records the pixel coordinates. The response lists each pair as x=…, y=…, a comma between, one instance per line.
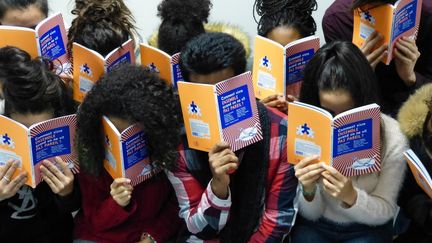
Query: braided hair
x=182, y=20
x=101, y=25
x=292, y=13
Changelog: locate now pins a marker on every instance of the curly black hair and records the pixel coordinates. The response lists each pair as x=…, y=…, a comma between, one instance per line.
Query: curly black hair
x=182, y=20
x=30, y=87
x=137, y=95
x=212, y=52
x=101, y=25
x=6, y=5
x=291, y=13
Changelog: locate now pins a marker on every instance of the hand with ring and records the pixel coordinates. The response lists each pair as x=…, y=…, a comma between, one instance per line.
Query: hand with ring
x=8, y=186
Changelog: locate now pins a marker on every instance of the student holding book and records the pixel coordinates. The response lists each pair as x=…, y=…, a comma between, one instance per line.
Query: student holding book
x=284, y=21
x=24, y=13
x=416, y=123
x=412, y=66
x=333, y=207
x=33, y=94
x=247, y=196
x=112, y=210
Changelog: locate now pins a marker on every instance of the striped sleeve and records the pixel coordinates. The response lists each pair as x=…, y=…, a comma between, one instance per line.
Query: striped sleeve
x=280, y=211
x=204, y=213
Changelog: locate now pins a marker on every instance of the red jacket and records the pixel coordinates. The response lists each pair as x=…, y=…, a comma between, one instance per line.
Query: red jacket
x=153, y=209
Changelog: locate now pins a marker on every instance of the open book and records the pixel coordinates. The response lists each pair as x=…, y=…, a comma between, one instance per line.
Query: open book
x=126, y=153
x=160, y=62
x=48, y=39
x=226, y=111
x=44, y=140
x=420, y=173
x=390, y=20
x=89, y=65
x=279, y=69
x=350, y=141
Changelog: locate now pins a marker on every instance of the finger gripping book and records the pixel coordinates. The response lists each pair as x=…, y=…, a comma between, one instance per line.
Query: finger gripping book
x=127, y=154
x=350, y=141
x=226, y=111
x=44, y=140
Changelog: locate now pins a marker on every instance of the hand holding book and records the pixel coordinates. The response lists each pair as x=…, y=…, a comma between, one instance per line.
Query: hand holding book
x=406, y=55
x=60, y=179
x=374, y=56
x=121, y=191
x=308, y=172
x=222, y=162
x=338, y=185
x=8, y=186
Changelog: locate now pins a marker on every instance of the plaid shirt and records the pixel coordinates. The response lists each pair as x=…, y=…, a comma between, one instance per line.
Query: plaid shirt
x=206, y=214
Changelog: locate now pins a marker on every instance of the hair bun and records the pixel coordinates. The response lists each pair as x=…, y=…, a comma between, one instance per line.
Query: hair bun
x=264, y=7
x=184, y=10
x=96, y=10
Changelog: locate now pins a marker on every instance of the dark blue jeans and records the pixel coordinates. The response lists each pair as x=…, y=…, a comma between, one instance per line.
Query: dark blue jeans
x=325, y=231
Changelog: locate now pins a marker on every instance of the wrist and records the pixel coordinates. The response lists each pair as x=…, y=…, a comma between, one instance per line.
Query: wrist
x=219, y=189
x=309, y=192
x=351, y=198
x=411, y=80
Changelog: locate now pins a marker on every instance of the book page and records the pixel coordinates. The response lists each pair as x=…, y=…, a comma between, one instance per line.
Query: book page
x=238, y=111
x=123, y=54
x=23, y=38
x=113, y=161
x=356, y=141
x=268, y=68
x=200, y=115
x=15, y=144
x=54, y=138
x=88, y=67
x=158, y=62
x=136, y=161
x=309, y=133
x=298, y=54
x=420, y=173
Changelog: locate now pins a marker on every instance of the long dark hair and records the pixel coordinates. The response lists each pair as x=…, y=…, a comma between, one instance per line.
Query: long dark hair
x=30, y=87
x=101, y=25
x=135, y=94
x=291, y=13
x=182, y=20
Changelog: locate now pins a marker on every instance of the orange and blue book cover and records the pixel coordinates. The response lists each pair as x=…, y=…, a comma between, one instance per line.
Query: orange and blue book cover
x=392, y=21
x=89, y=65
x=162, y=63
x=226, y=111
x=419, y=171
x=279, y=69
x=44, y=140
x=49, y=40
x=126, y=153
x=350, y=141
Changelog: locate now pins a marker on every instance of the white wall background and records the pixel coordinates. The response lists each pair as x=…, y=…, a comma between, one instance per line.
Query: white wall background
x=234, y=11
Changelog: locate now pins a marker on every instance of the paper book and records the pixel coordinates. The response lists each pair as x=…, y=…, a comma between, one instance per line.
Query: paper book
x=279, y=69
x=392, y=21
x=126, y=153
x=350, y=141
x=44, y=140
x=48, y=39
x=226, y=111
x=420, y=173
x=160, y=62
x=89, y=65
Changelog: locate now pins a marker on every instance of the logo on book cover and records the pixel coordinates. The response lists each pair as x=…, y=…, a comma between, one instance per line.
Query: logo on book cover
x=265, y=63
x=305, y=130
x=85, y=69
x=107, y=141
x=364, y=163
x=194, y=109
x=5, y=140
x=368, y=17
x=248, y=133
x=153, y=68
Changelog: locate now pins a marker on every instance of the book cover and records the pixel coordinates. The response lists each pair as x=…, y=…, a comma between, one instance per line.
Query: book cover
x=126, y=153
x=89, y=66
x=420, y=173
x=225, y=111
x=44, y=140
x=279, y=69
x=350, y=141
x=162, y=63
x=391, y=21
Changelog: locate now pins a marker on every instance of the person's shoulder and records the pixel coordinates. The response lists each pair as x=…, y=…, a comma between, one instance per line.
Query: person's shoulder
x=394, y=138
x=338, y=7
x=427, y=7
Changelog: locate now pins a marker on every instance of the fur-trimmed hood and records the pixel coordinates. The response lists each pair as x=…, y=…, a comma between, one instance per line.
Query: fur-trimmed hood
x=413, y=112
x=230, y=29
